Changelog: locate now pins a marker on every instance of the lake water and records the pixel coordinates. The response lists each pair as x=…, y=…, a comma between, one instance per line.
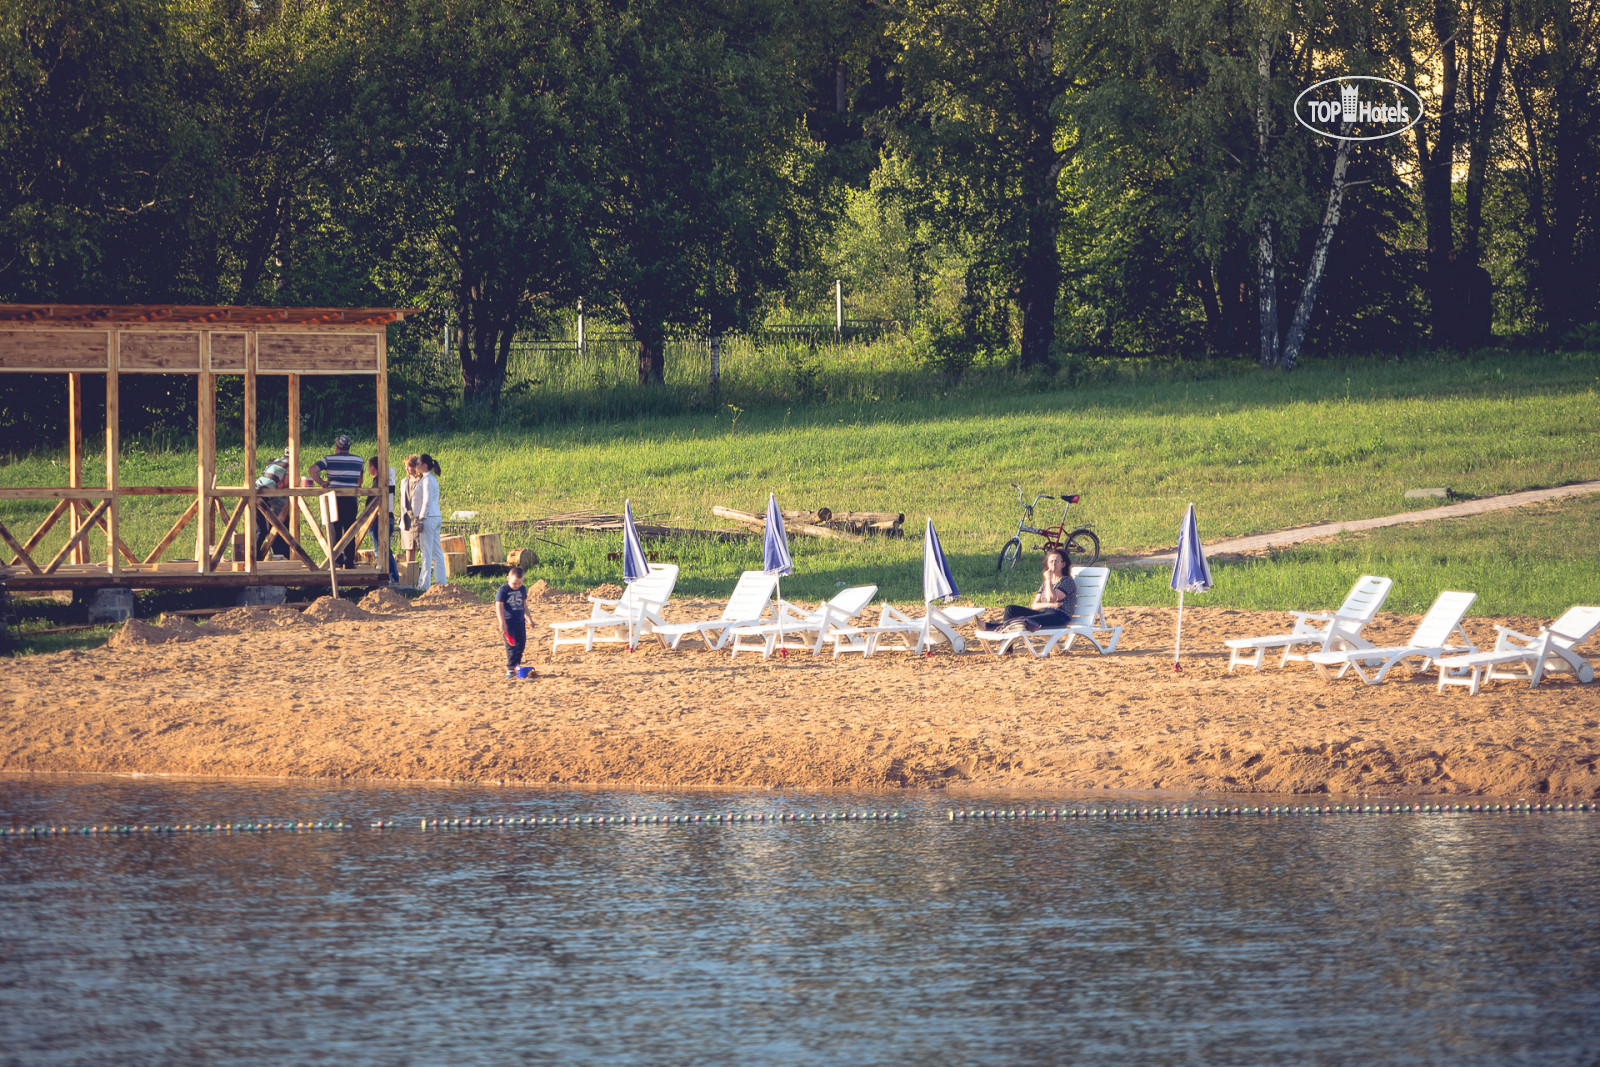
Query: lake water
x=1455, y=938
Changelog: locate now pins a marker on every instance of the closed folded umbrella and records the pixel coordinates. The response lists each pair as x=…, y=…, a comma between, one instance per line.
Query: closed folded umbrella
x=775, y=558
x=634, y=565
x=937, y=581
x=1190, y=574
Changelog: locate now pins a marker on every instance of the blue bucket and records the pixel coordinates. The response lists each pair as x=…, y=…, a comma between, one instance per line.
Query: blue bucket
x=525, y=672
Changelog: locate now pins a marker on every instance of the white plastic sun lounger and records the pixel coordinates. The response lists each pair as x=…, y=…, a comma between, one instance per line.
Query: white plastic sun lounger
x=1522, y=657
x=937, y=626
x=796, y=627
x=1320, y=629
x=1088, y=621
x=747, y=606
x=1430, y=642
x=623, y=619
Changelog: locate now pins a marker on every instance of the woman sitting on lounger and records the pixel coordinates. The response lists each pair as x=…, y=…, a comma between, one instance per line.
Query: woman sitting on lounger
x=1052, y=605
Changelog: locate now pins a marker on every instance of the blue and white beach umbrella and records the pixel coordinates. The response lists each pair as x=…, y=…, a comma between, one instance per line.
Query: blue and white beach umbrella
x=1190, y=574
x=775, y=559
x=937, y=581
x=634, y=565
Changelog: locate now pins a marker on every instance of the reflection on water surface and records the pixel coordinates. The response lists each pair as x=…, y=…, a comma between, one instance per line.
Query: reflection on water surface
x=1459, y=938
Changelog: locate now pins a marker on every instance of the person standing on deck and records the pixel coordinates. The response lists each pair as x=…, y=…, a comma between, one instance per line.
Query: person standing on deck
x=274, y=476
x=341, y=470
x=427, y=515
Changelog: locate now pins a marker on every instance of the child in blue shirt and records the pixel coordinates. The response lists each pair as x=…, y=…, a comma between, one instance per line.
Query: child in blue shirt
x=510, y=607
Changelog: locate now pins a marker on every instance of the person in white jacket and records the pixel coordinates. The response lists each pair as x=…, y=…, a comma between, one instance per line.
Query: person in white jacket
x=426, y=514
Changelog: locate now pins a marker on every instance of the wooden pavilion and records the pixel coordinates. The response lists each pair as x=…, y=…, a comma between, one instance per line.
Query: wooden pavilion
x=78, y=340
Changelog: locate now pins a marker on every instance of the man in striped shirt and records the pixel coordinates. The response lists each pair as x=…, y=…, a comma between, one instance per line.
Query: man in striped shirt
x=341, y=470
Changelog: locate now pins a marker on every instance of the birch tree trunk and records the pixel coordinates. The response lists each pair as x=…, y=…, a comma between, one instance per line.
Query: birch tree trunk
x=1266, y=269
x=1319, y=260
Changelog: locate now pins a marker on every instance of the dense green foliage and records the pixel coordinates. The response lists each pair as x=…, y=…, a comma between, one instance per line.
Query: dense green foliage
x=1022, y=184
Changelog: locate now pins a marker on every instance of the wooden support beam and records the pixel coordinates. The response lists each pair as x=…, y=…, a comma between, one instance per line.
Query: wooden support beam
x=250, y=449
x=44, y=528
x=172, y=534
x=75, y=453
x=359, y=527
x=22, y=553
x=206, y=429
x=384, y=522
x=283, y=531
x=120, y=545
x=316, y=524
x=112, y=508
x=83, y=531
x=227, y=531
x=295, y=470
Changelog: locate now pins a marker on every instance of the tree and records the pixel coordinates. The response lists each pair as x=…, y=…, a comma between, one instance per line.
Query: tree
x=707, y=194
x=106, y=164
x=470, y=149
x=990, y=88
x=1554, y=70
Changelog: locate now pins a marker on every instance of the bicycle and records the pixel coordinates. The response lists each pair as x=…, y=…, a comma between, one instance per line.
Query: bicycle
x=1082, y=543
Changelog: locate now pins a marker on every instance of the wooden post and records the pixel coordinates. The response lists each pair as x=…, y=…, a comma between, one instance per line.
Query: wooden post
x=381, y=483
x=838, y=308
x=250, y=518
x=206, y=420
x=580, y=324
x=75, y=456
x=294, y=450
x=113, y=449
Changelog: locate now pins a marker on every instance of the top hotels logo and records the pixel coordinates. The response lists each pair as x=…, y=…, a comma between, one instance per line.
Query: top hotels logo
x=1373, y=108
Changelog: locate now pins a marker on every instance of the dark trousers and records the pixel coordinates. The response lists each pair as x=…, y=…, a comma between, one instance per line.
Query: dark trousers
x=1047, y=618
x=394, y=569
x=347, y=518
x=516, y=642
x=268, y=540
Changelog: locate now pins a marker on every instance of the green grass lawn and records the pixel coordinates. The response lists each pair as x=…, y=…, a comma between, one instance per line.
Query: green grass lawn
x=1254, y=452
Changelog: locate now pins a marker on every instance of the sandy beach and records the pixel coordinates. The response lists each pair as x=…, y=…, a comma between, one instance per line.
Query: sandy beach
x=418, y=693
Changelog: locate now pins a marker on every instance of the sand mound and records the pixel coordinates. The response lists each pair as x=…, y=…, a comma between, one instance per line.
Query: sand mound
x=606, y=592
x=385, y=601
x=255, y=620
x=333, y=609
x=541, y=593
x=447, y=596
x=137, y=634
x=182, y=627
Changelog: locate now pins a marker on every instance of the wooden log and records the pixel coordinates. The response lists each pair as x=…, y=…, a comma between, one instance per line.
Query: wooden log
x=760, y=523
x=486, y=549
x=525, y=558
x=453, y=544
x=870, y=518
x=409, y=570
x=821, y=515
x=456, y=564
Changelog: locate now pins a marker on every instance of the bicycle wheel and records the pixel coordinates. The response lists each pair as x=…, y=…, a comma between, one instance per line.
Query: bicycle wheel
x=1083, y=547
x=1009, y=554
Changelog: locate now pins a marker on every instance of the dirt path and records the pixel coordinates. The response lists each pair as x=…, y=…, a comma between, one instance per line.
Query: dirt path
x=1259, y=542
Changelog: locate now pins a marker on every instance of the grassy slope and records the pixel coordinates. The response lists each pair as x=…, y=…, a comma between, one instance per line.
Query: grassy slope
x=1253, y=452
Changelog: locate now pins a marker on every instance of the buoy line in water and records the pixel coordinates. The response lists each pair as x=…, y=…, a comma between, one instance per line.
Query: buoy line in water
x=965, y=815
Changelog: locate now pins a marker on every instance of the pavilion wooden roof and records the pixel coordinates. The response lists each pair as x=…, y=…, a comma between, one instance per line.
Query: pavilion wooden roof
x=198, y=315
